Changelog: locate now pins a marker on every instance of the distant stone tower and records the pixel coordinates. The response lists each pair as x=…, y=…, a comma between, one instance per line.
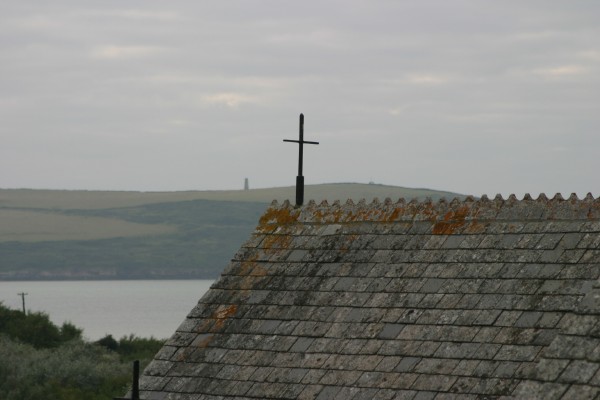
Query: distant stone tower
x=246, y=185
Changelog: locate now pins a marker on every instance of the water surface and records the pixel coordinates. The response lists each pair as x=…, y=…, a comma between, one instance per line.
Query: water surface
x=142, y=307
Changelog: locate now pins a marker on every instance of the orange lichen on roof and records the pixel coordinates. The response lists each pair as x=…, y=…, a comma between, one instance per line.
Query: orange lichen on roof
x=277, y=216
x=222, y=314
x=276, y=242
x=204, y=325
x=202, y=341
x=453, y=220
x=247, y=282
x=448, y=216
x=252, y=268
x=395, y=214
x=474, y=227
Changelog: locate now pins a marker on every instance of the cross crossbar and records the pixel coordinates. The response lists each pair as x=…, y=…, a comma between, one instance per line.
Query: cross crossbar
x=297, y=141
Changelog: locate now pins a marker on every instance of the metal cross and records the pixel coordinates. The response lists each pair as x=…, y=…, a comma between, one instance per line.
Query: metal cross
x=300, y=178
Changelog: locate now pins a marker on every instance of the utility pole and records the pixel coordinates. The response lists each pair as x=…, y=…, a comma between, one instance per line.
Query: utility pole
x=22, y=294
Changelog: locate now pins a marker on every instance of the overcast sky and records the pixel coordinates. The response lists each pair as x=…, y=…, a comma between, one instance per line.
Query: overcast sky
x=477, y=97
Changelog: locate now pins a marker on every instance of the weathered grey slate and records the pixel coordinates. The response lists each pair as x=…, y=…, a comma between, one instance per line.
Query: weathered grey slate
x=475, y=299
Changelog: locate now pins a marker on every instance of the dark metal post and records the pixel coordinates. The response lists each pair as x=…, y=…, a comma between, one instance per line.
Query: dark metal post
x=135, y=390
x=299, y=190
x=300, y=177
x=135, y=387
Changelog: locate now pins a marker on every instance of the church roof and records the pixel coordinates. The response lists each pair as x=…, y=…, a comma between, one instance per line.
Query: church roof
x=477, y=298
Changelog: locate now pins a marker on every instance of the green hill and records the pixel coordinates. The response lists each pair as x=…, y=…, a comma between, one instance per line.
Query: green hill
x=55, y=234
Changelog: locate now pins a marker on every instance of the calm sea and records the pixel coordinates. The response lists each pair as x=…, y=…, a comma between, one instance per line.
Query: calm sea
x=144, y=308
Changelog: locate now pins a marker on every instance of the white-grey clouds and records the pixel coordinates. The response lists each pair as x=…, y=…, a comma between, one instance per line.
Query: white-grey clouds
x=470, y=96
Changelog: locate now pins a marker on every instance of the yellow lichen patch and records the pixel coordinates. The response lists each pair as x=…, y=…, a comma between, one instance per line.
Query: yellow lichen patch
x=372, y=215
x=361, y=214
x=318, y=216
x=347, y=244
x=512, y=228
x=204, y=341
x=275, y=217
x=247, y=282
x=184, y=354
x=204, y=325
x=337, y=215
x=594, y=210
x=453, y=220
x=247, y=266
x=258, y=271
x=222, y=314
x=395, y=214
x=429, y=211
x=252, y=267
x=475, y=227
x=276, y=242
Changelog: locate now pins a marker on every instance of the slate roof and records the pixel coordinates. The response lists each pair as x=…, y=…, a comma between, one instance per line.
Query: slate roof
x=394, y=300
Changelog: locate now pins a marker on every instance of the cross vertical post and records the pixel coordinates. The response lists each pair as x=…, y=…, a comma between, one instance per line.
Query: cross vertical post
x=300, y=177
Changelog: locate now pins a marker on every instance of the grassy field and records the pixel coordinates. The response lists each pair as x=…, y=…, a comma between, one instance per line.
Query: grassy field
x=36, y=226
x=53, y=234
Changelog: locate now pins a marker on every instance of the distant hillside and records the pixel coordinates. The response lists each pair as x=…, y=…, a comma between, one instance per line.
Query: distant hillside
x=54, y=234
x=83, y=199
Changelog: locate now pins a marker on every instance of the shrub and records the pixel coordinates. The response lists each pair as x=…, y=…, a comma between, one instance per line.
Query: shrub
x=75, y=370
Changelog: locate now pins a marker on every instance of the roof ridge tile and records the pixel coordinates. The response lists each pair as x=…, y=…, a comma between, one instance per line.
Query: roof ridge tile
x=573, y=197
x=467, y=209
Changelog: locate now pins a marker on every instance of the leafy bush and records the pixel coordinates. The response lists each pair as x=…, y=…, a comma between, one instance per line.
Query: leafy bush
x=39, y=360
x=35, y=328
x=75, y=370
x=132, y=347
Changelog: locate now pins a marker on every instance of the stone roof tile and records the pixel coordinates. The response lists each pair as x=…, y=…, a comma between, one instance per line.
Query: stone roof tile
x=399, y=300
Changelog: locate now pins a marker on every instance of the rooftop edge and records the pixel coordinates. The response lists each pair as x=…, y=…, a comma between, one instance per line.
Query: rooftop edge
x=441, y=211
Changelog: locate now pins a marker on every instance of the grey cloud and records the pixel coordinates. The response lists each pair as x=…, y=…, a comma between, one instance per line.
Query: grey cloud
x=470, y=96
